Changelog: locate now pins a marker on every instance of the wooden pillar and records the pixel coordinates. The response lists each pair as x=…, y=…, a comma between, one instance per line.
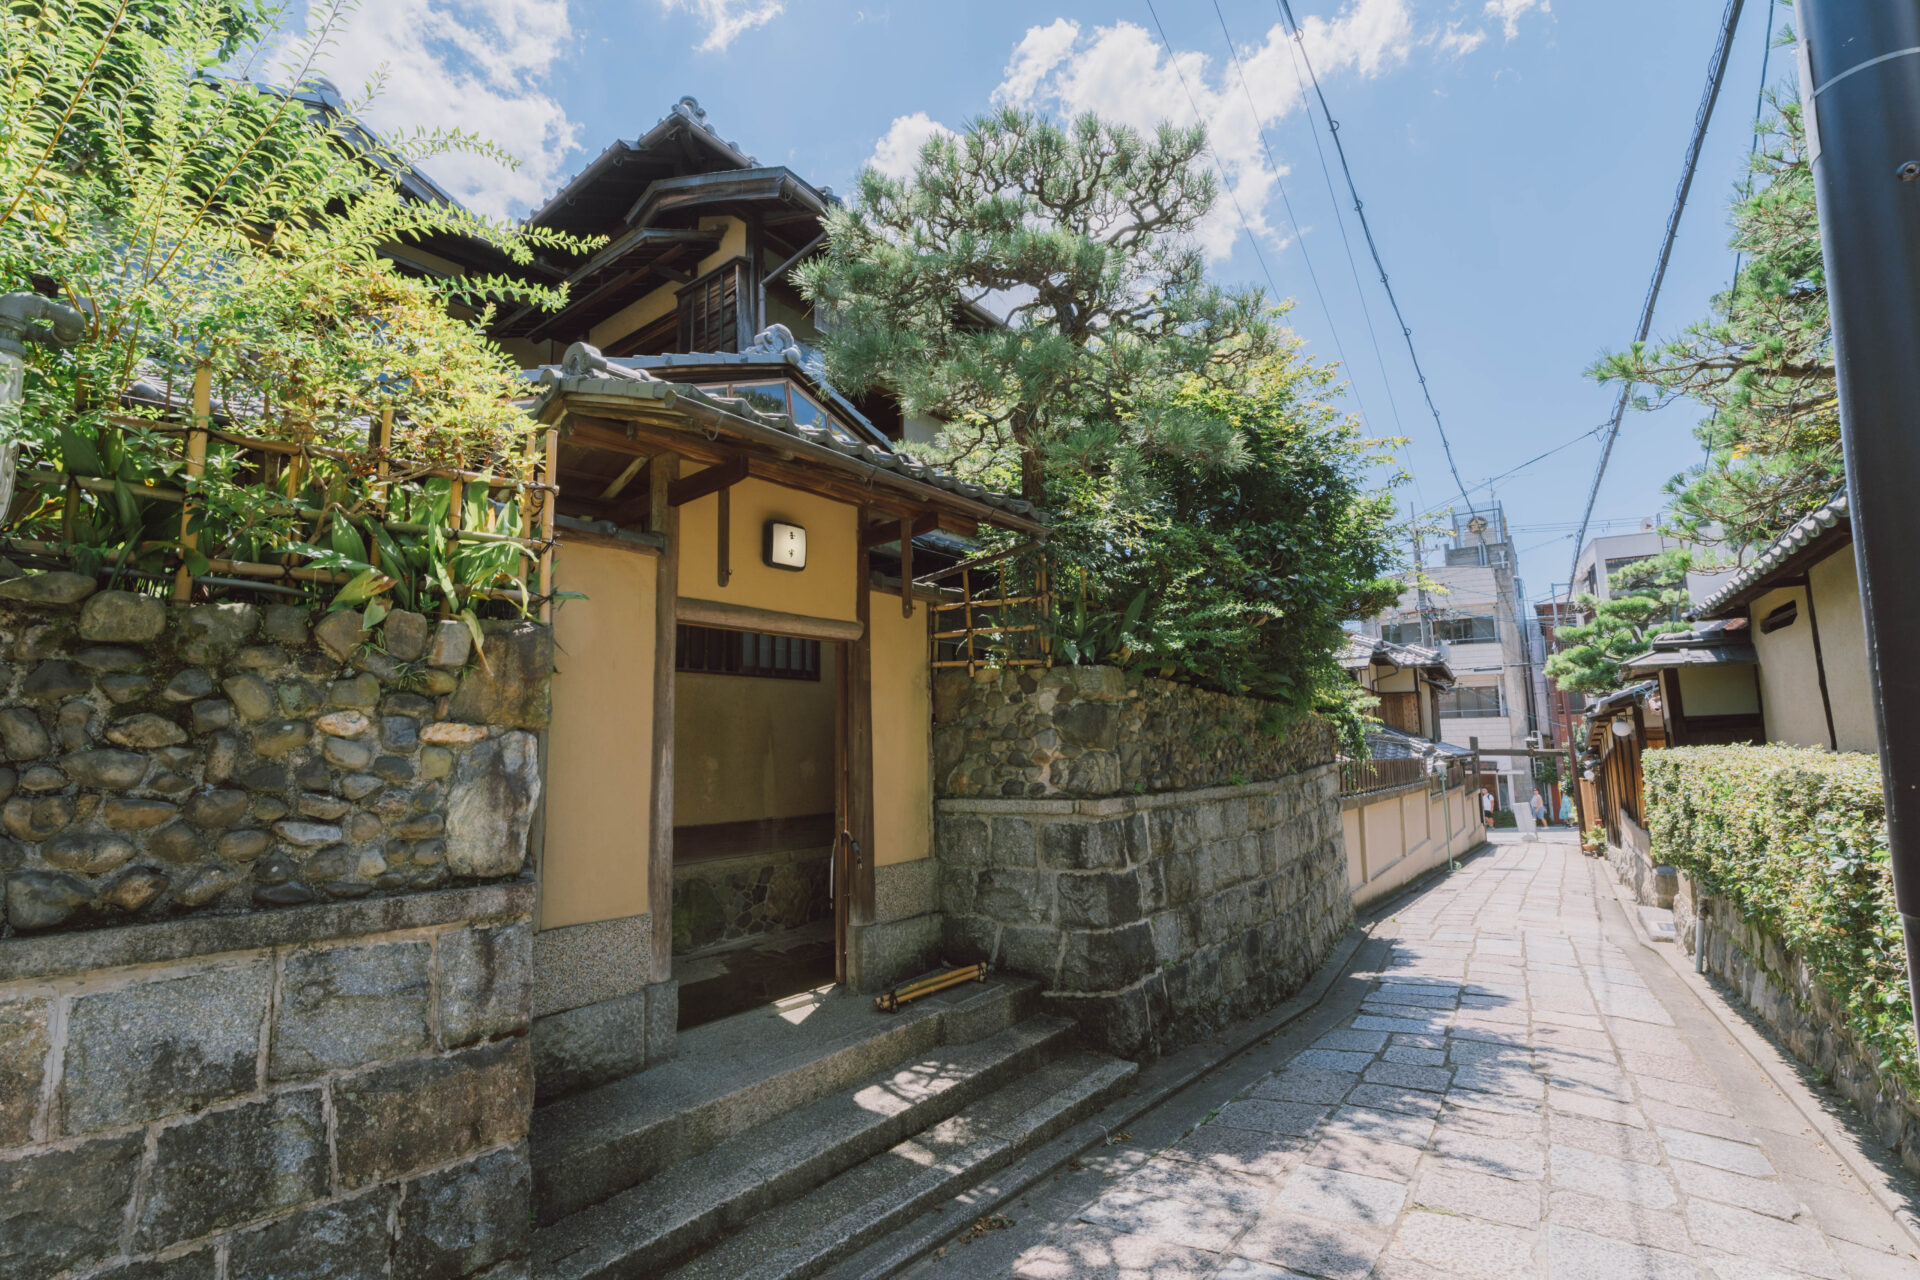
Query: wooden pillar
x=196, y=468
x=860, y=743
x=663, y=518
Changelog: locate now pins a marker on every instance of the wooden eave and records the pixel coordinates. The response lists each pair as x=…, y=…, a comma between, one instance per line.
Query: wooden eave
x=626, y=426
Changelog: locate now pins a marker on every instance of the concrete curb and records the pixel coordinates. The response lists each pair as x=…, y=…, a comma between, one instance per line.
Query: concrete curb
x=1155, y=1085
x=1772, y=1058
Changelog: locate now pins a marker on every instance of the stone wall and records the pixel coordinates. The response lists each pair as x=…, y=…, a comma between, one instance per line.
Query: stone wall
x=226, y=757
x=337, y=1091
x=1157, y=914
x=1775, y=984
x=727, y=898
x=1099, y=731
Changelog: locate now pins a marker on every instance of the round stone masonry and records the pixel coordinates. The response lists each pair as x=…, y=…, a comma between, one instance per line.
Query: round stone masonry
x=230, y=757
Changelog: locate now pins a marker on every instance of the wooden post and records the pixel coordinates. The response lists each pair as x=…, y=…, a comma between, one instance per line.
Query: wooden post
x=860, y=744
x=196, y=468
x=906, y=566
x=663, y=518
x=386, y=446
x=725, y=539
x=456, y=498
x=549, y=500
x=842, y=809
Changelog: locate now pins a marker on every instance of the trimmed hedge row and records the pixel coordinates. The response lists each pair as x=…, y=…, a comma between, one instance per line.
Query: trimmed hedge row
x=1797, y=840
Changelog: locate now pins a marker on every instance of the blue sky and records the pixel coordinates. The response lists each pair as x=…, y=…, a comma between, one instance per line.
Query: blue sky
x=1517, y=161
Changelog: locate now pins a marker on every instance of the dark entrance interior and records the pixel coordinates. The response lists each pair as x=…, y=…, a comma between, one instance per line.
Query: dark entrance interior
x=755, y=785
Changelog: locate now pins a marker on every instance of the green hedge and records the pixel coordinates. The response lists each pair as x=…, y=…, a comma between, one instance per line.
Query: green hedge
x=1797, y=840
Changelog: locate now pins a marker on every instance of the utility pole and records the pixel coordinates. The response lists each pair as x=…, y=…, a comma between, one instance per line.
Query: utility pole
x=1860, y=94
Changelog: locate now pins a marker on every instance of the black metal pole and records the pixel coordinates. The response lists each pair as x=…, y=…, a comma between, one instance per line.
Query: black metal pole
x=1860, y=90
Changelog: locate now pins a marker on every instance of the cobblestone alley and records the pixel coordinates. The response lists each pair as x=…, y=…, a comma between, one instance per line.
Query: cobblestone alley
x=1507, y=1082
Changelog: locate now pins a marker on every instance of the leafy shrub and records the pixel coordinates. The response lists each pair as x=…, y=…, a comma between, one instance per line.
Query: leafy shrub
x=1797, y=840
x=1504, y=819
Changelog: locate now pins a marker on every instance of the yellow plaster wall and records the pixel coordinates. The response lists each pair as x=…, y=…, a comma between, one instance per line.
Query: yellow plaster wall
x=1718, y=691
x=599, y=774
x=747, y=748
x=824, y=589
x=902, y=733
x=1835, y=582
x=1789, y=684
x=1399, y=837
x=1394, y=680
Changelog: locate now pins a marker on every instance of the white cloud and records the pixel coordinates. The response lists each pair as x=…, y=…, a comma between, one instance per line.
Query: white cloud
x=1123, y=73
x=899, y=150
x=726, y=20
x=1034, y=58
x=1460, y=43
x=478, y=65
x=1509, y=12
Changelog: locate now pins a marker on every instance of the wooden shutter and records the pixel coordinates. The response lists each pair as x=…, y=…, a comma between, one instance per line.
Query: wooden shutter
x=1401, y=711
x=710, y=312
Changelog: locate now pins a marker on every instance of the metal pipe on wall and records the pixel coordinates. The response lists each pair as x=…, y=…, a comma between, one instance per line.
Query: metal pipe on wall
x=1860, y=98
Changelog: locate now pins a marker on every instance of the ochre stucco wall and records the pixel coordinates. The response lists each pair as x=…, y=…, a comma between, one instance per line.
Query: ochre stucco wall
x=747, y=747
x=824, y=589
x=1402, y=835
x=1718, y=691
x=1843, y=640
x=902, y=733
x=1789, y=688
x=599, y=775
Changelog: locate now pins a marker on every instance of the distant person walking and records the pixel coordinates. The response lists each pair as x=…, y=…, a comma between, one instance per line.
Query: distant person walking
x=1486, y=806
x=1540, y=818
x=1566, y=808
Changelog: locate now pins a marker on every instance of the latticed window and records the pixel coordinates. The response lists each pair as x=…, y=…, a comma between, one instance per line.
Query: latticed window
x=746, y=653
x=710, y=311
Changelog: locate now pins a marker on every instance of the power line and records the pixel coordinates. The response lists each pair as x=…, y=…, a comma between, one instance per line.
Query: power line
x=1227, y=186
x=1716, y=73
x=1373, y=247
x=1274, y=165
x=1538, y=457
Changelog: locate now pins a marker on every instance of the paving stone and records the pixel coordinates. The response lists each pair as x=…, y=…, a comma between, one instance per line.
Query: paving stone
x=1762, y=1195
x=1369, y=1156
x=1573, y=1102
x=1306, y=1084
x=1666, y=1115
x=1087, y=1252
x=1694, y=1096
x=1338, y=1196
x=1271, y=1117
x=1571, y=1252
x=1310, y=1246
x=1620, y=1141
x=1672, y=1064
x=1368, y=1022
x=1763, y=1239
x=1202, y=1184
x=1501, y=1157
x=1331, y=1060
x=1349, y=1040
x=1181, y=1222
x=1384, y=1097
x=1407, y=1055
x=1618, y=1220
x=1465, y=1246
x=1734, y=1157
x=1576, y=1169
x=1382, y=1126
x=1478, y=1195
x=1508, y=1081
x=1400, y=1075
x=1470, y=1052
x=1248, y=1151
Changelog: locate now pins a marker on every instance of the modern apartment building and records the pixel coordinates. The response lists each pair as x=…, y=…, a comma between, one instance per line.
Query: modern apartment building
x=1474, y=615
x=1603, y=557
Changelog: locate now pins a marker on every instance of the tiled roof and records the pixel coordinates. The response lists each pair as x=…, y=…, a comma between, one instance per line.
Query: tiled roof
x=1395, y=744
x=585, y=369
x=1778, y=553
x=1361, y=650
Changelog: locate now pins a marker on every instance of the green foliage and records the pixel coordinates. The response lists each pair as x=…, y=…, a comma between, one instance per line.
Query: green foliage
x=1504, y=819
x=205, y=219
x=1209, y=521
x=1762, y=363
x=1796, y=839
x=1647, y=597
x=1546, y=772
x=1083, y=235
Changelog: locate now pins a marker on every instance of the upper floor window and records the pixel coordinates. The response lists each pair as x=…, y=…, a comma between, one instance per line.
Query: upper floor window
x=1469, y=702
x=1476, y=628
x=710, y=310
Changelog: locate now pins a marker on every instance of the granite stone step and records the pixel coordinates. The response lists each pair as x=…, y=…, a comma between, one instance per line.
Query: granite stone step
x=738, y=1073
x=802, y=1238
x=693, y=1203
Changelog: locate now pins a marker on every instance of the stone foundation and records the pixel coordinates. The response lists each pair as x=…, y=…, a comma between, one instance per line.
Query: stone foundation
x=1774, y=983
x=598, y=1014
x=720, y=899
x=337, y=1090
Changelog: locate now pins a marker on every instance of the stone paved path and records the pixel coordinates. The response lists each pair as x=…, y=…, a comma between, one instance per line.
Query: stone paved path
x=1512, y=1086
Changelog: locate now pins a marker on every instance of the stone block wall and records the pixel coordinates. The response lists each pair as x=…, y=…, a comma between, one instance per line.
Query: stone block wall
x=335, y=1091
x=724, y=899
x=1101, y=731
x=1155, y=903
x=162, y=762
x=1775, y=984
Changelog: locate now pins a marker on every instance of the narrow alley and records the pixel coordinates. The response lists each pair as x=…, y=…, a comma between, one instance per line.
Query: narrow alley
x=1508, y=1082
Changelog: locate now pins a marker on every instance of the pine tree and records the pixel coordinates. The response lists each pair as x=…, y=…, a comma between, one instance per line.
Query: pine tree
x=1647, y=597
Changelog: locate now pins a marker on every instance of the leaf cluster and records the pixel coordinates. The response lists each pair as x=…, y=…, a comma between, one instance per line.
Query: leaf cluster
x=1796, y=839
x=1646, y=599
